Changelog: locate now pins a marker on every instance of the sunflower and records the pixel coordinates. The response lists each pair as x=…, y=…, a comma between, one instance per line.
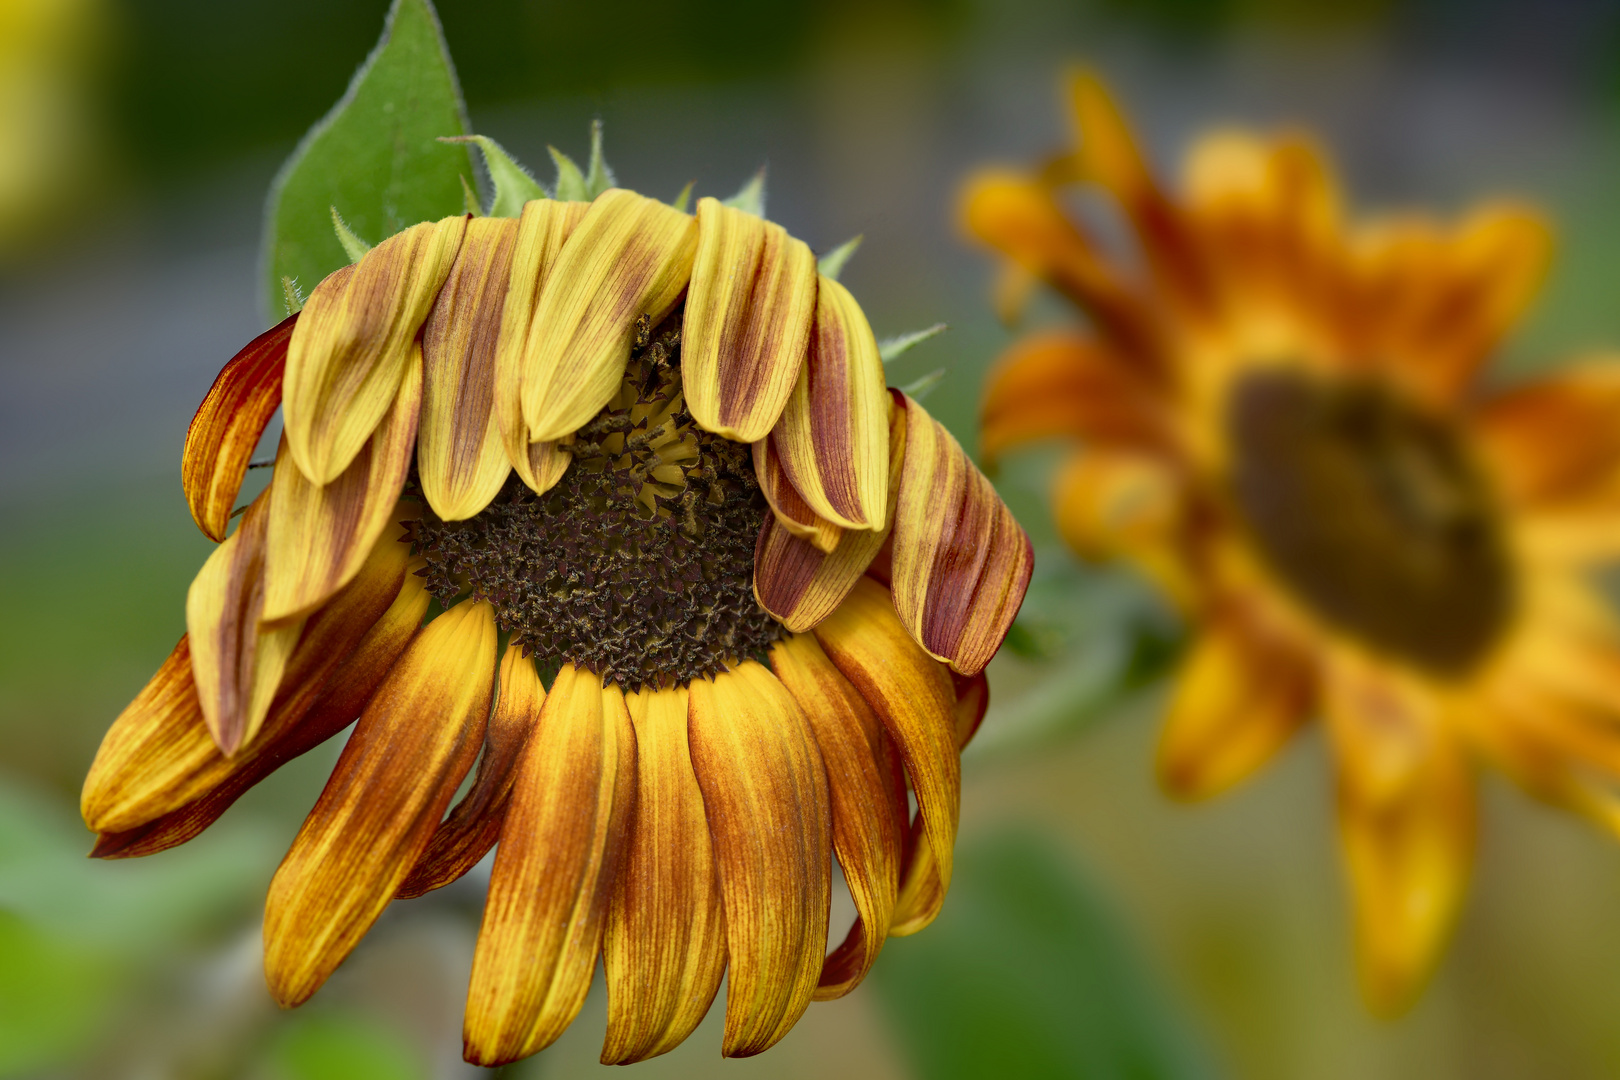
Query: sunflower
x=1281, y=418
x=646, y=457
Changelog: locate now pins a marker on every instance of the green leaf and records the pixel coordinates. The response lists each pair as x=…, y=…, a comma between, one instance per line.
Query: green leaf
x=889, y=348
x=599, y=177
x=832, y=263
x=1028, y=972
x=354, y=247
x=919, y=388
x=514, y=185
x=751, y=196
x=375, y=156
x=570, y=181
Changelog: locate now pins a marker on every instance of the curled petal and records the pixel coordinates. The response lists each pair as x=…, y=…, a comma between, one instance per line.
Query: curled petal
x=665, y=948
x=320, y=535
x=629, y=256
x=474, y=825
x=747, y=321
x=459, y=452
x=411, y=748
x=961, y=563
x=226, y=429
x=868, y=792
x=765, y=796
x=1557, y=440
x=559, y=849
x=355, y=343
x=793, y=515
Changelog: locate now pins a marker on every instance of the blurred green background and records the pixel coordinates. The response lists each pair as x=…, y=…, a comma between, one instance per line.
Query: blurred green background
x=1095, y=930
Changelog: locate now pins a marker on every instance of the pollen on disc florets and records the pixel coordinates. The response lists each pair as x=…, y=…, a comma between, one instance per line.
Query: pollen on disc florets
x=638, y=565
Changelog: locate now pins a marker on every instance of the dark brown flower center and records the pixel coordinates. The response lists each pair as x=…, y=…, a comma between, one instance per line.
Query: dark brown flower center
x=639, y=563
x=1373, y=514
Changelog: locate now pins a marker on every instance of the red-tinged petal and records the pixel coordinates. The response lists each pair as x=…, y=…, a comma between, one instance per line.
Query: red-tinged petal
x=972, y=702
x=1555, y=441
x=961, y=563
x=226, y=429
x=560, y=847
x=665, y=949
x=793, y=515
x=629, y=256
x=459, y=452
x=545, y=226
x=320, y=535
x=472, y=828
x=747, y=321
x=868, y=792
x=413, y=744
x=356, y=341
x=347, y=648
x=765, y=796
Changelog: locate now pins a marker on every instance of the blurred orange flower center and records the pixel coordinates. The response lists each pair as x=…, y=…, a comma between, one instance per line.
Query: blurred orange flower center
x=1371, y=512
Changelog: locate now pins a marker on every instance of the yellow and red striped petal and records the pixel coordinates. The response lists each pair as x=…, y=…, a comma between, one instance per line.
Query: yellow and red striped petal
x=747, y=321
x=459, y=453
x=869, y=809
x=319, y=536
x=765, y=796
x=237, y=662
x=560, y=845
x=355, y=342
x=227, y=426
x=833, y=438
x=472, y=828
x=413, y=744
x=793, y=515
x=1556, y=440
x=961, y=562
x=914, y=697
x=665, y=948
x=629, y=256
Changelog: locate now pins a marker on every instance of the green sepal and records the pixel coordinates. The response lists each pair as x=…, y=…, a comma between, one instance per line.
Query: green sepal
x=292, y=297
x=469, y=198
x=570, y=185
x=917, y=389
x=832, y=263
x=598, y=178
x=750, y=198
x=514, y=185
x=684, y=199
x=890, y=348
x=354, y=247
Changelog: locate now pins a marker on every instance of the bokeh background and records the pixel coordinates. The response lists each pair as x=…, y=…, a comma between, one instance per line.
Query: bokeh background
x=1095, y=929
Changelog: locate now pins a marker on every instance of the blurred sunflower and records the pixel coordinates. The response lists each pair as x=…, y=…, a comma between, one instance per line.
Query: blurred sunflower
x=1282, y=420
x=655, y=452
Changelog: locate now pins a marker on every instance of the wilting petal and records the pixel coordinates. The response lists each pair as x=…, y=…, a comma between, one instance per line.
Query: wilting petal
x=972, y=702
x=346, y=650
x=961, y=563
x=542, y=230
x=869, y=809
x=319, y=536
x=1556, y=439
x=629, y=256
x=1067, y=384
x=793, y=515
x=765, y=795
x=1239, y=695
x=665, y=948
x=913, y=696
x=472, y=828
x=223, y=434
x=1406, y=818
x=355, y=342
x=560, y=845
x=833, y=438
x=459, y=453
x=799, y=583
x=747, y=321
x=237, y=663
x=410, y=750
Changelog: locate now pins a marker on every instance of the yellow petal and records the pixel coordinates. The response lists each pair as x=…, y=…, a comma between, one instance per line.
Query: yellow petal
x=747, y=321
x=319, y=536
x=227, y=426
x=544, y=227
x=355, y=341
x=793, y=515
x=548, y=895
x=869, y=810
x=961, y=563
x=665, y=950
x=459, y=453
x=629, y=256
x=765, y=795
x=410, y=750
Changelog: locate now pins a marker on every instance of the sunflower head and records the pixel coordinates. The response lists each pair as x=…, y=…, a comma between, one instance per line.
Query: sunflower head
x=1279, y=415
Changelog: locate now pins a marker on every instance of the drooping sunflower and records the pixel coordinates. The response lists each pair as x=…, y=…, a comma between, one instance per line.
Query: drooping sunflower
x=645, y=456
x=1282, y=417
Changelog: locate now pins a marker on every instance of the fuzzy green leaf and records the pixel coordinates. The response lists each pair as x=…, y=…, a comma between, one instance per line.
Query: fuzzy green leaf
x=751, y=197
x=514, y=185
x=354, y=247
x=375, y=156
x=889, y=348
x=832, y=263
x=570, y=181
